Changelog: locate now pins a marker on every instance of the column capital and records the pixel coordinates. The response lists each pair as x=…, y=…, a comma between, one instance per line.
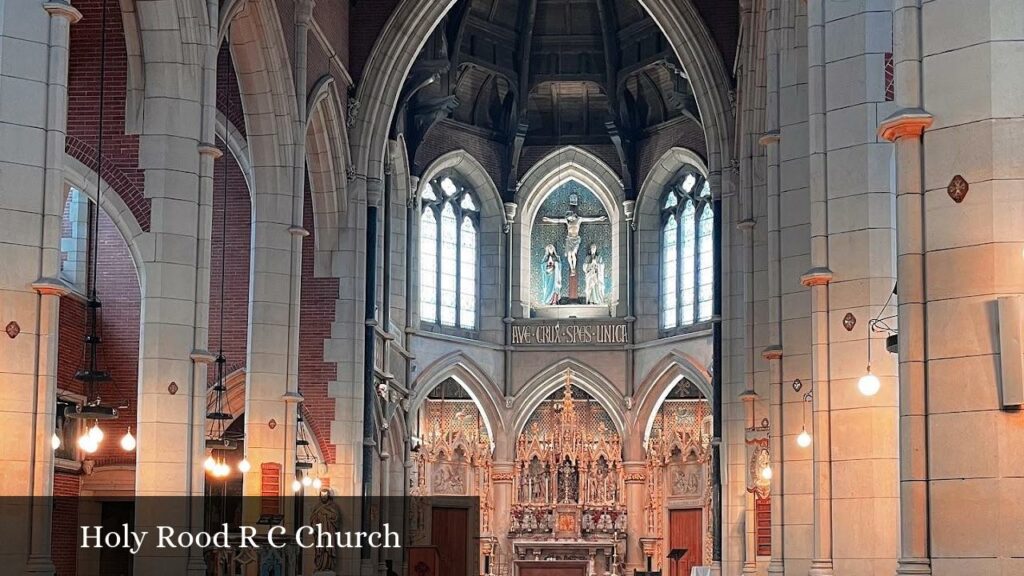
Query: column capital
x=769, y=137
x=51, y=287
x=816, y=277
x=63, y=9
x=905, y=122
x=304, y=11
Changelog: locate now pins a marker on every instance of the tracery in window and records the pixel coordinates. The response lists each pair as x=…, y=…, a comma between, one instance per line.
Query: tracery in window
x=687, y=251
x=448, y=235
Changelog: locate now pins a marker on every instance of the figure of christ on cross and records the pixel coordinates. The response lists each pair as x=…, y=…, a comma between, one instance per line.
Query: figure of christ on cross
x=572, y=222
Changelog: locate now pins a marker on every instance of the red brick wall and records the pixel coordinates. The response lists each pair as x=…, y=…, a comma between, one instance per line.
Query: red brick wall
x=117, y=287
x=64, y=535
x=319, y=296
x=723, y=21
x=366, y=20
x=70, y=346
x=332, y=15
x=447, y=136
x=120, y=150
x=229, y=99
x=684, y=134
x=236, y=265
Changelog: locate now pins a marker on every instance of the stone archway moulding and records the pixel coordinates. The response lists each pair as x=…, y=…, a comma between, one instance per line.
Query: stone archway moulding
x=552, y=379
x=84, y=178
x=475, y=175
x=660, y=380
x=658, y=178
x=474, y=380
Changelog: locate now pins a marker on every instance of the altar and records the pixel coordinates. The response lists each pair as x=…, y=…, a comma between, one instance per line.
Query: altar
x=551, y=568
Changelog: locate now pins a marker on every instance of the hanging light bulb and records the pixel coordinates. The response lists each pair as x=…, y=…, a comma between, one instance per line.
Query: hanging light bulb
x=317, y=484
x=95, y=432
x=128, y=442
x=223, y=470
x=869, y=385
x=55, y=441
x=307, y=481
x=87, y=443
x=210, y=463
x=766, y=473
x=244, y=466
x=804, y=439
x=296, y=485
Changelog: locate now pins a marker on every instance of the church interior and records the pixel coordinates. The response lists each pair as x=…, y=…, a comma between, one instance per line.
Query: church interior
x=585, y=287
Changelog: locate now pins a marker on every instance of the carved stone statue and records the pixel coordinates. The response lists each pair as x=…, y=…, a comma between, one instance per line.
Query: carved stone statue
x=551, y=270
x=593, y=270
x=572, y=222
x=328, y=516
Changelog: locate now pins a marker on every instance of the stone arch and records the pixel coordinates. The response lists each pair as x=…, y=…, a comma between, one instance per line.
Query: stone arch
x=664, y=170
x=655, y=387
x=552, y=378
x=237, y=146
x=260, y=56
x=475, y=175
x=327, y=156
x=560, y=166
x=471, y=376
x=413, y=20
x=647, y=226
x=84, y=178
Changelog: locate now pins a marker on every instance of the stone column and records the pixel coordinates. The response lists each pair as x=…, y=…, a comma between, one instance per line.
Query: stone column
x=272, y=392
x=905, y=127
x=973, y=239
x=773, y=352
x=33, y=88
x=635, y=476
x=817, y=279
x=502, y=476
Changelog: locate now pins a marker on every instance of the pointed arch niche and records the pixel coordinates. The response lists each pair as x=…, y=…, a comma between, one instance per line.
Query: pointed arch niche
x=569, y=180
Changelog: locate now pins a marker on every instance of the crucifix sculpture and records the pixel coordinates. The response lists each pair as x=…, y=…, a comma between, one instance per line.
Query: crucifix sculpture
x=573, y=221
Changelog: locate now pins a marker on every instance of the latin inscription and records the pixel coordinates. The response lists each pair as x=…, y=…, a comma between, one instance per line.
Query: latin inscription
x=570, y=334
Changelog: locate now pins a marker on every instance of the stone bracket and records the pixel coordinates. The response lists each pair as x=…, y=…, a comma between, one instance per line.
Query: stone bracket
x=905, y=122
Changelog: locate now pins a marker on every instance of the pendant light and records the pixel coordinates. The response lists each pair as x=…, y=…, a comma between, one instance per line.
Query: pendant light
x=804, y=439
x=869, y=385
x=91, y=375
x=218, y=437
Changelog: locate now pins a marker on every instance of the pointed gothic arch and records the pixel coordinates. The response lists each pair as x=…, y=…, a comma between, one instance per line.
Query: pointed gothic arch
x=459, y=367
x=552, y=378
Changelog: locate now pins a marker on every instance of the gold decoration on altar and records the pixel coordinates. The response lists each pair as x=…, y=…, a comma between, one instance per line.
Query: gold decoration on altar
x=455, y=457
x=568, y=472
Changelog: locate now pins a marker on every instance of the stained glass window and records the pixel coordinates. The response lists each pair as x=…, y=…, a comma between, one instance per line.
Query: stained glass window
x=448, y=254
x=687, y=251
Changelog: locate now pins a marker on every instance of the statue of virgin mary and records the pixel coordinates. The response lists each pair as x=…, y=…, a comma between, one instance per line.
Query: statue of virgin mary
x=551, y=269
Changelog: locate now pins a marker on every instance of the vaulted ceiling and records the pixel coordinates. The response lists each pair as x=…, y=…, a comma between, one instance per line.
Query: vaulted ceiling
x=547, y=72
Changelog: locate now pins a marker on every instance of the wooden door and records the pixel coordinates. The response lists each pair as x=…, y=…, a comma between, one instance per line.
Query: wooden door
x=685, y=531
x=449, y=532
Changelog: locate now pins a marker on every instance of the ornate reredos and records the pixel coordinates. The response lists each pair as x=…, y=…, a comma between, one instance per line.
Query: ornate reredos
x=572, y=424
